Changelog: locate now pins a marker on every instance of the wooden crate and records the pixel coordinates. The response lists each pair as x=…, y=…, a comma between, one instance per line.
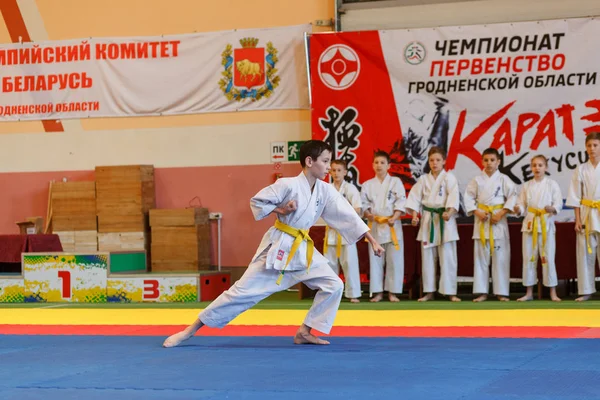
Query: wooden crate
x=122, y=223
x=176, y=266
x=184, y=248
x=121, y=241
x=178, y=217
x=78, y=241
x=67, y=238
x=86, y=241
x=125, y=197
x=73, y=206
x=73, y=222
x=74, y=190
x=125, y=173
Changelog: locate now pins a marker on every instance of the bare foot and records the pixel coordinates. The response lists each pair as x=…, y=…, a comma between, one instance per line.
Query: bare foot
x=177, y=339
x=378, y=297
x=354, y=301
x=393, y=298
x=585, y=297
x=555, y=298
x=427, y=297
x=454, y=298
x=525, y=298
x=503, y=298
x=481, y=298
x=308, y=338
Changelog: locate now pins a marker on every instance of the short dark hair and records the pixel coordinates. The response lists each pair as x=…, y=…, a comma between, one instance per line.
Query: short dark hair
x=592, y=136
x=437, y=150
x=490, y=150
x=381, y=153
x=340, y=162
x=313, y=149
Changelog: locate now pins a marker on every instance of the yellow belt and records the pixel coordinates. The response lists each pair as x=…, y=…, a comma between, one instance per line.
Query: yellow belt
x=592, y=204
x=338, y=243
x=384, y=220
x=490, y=210
x=300, y=235
x=540, y=214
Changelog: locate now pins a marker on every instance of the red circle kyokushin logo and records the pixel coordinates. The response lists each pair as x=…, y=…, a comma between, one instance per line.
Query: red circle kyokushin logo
x=339, y=66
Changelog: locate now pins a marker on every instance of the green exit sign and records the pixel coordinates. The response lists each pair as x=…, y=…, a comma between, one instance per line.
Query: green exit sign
x=294, y=150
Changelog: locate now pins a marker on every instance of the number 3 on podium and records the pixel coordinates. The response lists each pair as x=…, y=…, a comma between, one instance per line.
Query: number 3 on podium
x=65, y=276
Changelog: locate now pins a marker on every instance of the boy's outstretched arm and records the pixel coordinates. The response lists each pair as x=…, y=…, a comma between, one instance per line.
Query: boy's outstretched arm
x=377, y=249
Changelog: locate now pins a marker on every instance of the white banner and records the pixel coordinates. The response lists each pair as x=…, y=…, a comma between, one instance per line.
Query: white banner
x=257, y=69
x=523, y=88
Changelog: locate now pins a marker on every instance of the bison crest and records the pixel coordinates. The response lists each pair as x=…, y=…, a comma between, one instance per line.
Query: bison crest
x=249, y=72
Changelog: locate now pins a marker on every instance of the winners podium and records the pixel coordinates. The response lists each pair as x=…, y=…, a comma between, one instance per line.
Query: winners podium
x=87, y=278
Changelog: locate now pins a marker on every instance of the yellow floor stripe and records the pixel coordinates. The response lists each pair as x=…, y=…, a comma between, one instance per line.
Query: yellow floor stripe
x=394, y=318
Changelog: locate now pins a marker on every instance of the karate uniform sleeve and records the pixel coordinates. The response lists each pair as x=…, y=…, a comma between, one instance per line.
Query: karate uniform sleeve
x=400, y=201
x=415, y=196
x=470, y=197
x=557, y=201
x=365, y=198
x=574, y=194
x=269, y=198
x=510, y=193
x=354, y=197
x=340, y=215
x=522, y=200
x=453, y=199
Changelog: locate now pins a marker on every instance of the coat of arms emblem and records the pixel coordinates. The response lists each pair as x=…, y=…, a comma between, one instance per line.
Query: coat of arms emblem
x=249, y=71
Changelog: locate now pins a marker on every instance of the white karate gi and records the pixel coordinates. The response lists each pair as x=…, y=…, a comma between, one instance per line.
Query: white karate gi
x=538, y=195
x=349, y=254
x=382, y=199
x=585, y=185
x=438, y=193
x=491, y=191
x=259, y=280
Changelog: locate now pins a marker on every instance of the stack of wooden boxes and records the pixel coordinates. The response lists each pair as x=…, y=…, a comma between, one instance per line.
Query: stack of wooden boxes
x=124, y=196
x=74, y=215
x=180, y=240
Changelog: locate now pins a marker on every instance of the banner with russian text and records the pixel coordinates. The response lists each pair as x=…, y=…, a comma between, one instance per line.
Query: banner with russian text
x=257, y=69
x=523, y=88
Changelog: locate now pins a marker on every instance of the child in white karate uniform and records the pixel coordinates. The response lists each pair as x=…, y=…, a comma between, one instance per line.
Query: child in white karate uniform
x=490, y=196
x=539, y=201
x=383, y=199
x=584, y=197
x=436, y=197
x=335, y=247
x=286, y=254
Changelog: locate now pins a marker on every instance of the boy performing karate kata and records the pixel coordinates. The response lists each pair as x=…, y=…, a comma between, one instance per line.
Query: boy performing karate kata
x=286, y=254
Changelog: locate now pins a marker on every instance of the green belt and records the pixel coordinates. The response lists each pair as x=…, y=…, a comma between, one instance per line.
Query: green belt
x=438, y=211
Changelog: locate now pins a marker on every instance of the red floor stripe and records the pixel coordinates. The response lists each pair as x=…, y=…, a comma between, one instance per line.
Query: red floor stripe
x=282, y=330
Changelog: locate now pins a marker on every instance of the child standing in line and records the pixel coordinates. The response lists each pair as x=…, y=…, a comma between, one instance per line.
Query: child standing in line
x=584, y=197
x=490, y=196
x=539, y=201
x=436, y=196
x=335, y=248
x=383, y=199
